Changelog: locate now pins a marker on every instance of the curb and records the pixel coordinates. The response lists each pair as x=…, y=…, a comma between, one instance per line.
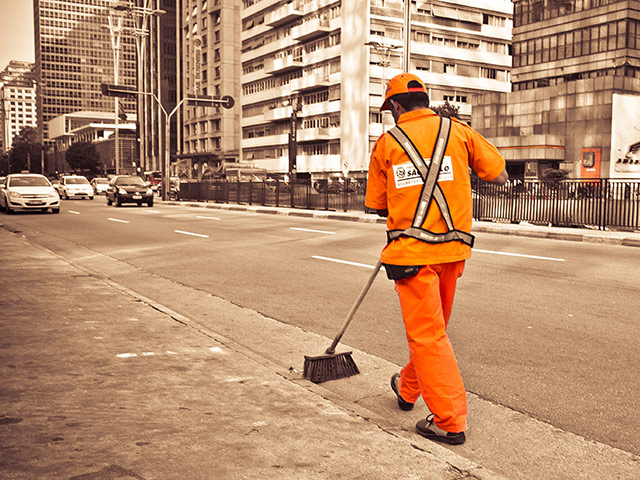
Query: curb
x=612, y=238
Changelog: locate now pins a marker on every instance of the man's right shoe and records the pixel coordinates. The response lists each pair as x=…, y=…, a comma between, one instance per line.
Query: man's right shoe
x=428, y=429
x=395, y=381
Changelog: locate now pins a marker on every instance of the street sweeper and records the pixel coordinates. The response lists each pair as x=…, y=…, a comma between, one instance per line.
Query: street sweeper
x=419, y=180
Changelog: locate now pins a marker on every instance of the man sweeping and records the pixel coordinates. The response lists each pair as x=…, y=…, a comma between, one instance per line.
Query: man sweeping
x=419, y=179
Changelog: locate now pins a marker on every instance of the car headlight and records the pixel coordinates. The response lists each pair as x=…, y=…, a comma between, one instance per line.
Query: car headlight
x=14, y=194
x=53, y=194
x=149, y=191
x=122, y=191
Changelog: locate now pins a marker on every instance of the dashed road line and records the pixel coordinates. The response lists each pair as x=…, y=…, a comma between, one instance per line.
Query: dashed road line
x=74, y=212
x=207, y=218
x=192, y=234
x=118, y=220
x=346, y=262
x=312, y=231
x=535, y=257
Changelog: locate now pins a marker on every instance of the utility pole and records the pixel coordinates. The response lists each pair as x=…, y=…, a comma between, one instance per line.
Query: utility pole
x=115, y=29
x=407, y=36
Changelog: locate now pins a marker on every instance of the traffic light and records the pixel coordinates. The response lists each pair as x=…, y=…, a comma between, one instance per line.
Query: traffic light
x=118, y=90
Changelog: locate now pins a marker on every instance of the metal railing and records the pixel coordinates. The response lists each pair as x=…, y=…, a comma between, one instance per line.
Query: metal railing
x=598, y=203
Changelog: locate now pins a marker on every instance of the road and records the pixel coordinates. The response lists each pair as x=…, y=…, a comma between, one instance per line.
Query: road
x=545, y=327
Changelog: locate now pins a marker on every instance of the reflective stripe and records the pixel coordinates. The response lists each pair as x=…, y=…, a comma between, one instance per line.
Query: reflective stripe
x=430, y=190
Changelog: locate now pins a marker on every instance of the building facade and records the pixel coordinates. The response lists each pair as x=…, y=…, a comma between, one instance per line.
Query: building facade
x=209, y=49
x=18, y=101
x=576, y=82
x=314, y=72
x=74, y=55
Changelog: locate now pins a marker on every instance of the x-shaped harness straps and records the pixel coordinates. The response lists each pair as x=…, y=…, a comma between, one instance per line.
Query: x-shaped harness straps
x=430, y=190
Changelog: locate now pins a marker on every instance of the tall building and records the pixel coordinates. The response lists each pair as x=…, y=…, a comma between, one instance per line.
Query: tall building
x=209, y=49
x=314, y=72
x=17, y=101
x=576, y=82
x=74, y=55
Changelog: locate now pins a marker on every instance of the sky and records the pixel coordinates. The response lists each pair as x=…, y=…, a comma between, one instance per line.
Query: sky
x=16, y=31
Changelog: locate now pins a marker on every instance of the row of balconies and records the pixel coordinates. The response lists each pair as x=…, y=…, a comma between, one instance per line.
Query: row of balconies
x=302, y=135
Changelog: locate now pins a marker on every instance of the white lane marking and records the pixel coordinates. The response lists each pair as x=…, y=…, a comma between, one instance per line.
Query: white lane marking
x=118, y=220
x=74, y=212
x=328, y=259
x=535, y=257
x=191, y=233
x=152, y=211
x=126, y=355
x=208, y=218
x=312, y=231
x=217, y=350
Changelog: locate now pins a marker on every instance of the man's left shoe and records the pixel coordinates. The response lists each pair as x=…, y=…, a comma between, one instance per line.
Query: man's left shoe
x=395, y=386
x=428, y=429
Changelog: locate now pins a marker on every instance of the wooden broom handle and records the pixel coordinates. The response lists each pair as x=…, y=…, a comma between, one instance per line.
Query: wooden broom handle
x=332, y=349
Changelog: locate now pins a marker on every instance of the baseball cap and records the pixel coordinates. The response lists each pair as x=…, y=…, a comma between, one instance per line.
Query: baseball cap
x=403, y=83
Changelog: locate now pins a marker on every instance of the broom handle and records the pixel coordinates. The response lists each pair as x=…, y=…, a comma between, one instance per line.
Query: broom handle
x=332, y=349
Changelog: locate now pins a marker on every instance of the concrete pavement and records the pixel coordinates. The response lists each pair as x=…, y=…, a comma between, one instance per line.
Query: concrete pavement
x=100, y=381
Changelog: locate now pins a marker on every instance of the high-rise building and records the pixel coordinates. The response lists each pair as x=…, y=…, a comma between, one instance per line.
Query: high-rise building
x=314, y=73
x=576, y=82
x=74, y=55
x=18, y=101
x=209, y=51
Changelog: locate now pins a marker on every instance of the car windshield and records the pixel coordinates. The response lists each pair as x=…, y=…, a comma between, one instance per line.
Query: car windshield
x=28, y=182
x=77, y=180
x=100, y=180
x=130, y=181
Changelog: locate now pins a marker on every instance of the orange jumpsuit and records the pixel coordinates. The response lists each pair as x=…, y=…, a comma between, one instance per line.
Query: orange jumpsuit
x=426, y=298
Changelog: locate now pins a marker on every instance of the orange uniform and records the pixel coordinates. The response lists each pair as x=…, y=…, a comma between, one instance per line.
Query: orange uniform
x=426, y=298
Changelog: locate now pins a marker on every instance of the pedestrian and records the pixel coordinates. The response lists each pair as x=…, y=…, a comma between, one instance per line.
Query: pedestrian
x=429, y=214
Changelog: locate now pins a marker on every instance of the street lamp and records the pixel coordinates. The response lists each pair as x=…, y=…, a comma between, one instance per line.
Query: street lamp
x=200, y=100
x=140, y=15
x=296, y=106
x=407, y=36
x=115, y=30
x=384, y=51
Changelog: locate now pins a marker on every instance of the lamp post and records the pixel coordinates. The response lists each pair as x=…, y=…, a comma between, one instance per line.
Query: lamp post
x=115, y=29
x=140, y=15
x=296, y=106
x=407, y=36
x=384, y=51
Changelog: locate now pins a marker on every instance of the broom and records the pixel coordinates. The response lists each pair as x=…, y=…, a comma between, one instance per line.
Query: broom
x=332, y=365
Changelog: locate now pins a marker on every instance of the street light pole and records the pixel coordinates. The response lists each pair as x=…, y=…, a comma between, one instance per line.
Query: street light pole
x=407, y=36
x=116, y=35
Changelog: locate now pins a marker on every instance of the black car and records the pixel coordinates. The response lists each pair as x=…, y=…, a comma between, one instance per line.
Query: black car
x=129, y=189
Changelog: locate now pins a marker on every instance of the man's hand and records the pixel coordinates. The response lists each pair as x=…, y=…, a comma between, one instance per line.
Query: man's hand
x=383, y=213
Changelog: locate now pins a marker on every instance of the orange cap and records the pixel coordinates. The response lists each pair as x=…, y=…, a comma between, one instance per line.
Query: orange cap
x=400, y=84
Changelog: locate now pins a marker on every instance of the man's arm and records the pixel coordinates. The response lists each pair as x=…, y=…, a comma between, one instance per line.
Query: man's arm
x=500, y=179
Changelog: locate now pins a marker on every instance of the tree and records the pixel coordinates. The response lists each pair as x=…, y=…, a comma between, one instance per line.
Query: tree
x=82, y=156
x=447, y=110
x=25, y=152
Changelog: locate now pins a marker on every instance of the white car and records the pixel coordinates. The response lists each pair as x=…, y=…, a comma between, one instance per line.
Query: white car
x=28, y=191
x=75, y=186
x=100, y=185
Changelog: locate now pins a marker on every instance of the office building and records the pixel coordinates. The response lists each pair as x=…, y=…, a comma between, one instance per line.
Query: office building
x=576, y=82
x=18, y=101
x=314, y=72
x=74, y=55
x=210, y=66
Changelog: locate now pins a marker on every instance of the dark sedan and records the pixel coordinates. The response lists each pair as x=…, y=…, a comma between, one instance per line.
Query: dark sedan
x=129, y=189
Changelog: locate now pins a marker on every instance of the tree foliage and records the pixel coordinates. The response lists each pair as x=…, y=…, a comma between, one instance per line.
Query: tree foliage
x=25, y=152
x=447, y=110
x=83, y=157
x=554, y=175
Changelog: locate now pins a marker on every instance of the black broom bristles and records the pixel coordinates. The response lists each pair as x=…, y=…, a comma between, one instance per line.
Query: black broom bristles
x=329, y=367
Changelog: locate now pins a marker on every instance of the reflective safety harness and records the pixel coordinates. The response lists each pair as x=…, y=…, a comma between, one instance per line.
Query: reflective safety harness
x=430, y=190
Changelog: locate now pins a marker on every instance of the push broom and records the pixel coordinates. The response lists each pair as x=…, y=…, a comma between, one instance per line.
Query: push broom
x=332, y=365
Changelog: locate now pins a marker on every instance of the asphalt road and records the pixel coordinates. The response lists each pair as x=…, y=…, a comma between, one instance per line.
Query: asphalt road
x=545, y=327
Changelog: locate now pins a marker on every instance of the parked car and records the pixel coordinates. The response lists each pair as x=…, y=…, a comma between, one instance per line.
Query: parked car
x=30, y=191
x=99, y=185
x=75, y=186
x=129, y=189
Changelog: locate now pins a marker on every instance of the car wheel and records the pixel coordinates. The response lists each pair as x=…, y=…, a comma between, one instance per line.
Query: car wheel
x=90, y=198
x=118, y=202
x=150, y=203
x=9, y=210
x=109, y=202
x=55, y=210
x=2, y=208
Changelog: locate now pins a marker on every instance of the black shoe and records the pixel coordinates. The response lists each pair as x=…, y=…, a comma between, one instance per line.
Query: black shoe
x=406, y=406
x=428, y=429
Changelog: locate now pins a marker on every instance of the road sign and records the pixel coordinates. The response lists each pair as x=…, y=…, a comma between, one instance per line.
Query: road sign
x=207, y=101
x=111, y=90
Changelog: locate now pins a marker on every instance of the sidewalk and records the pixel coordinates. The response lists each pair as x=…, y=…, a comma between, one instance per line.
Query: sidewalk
x=100, y=383
x=629, y=239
